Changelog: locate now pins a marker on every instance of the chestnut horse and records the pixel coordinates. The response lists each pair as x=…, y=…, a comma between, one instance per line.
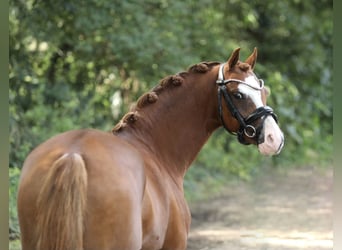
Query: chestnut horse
x=93, y=190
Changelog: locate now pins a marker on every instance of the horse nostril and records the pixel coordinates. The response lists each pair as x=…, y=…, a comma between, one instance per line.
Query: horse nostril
x=270, y=138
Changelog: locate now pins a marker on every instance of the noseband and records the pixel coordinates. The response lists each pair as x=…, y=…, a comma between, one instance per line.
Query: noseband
x=246, y=127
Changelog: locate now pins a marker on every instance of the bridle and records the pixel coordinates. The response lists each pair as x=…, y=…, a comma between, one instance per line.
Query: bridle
x=246, y=128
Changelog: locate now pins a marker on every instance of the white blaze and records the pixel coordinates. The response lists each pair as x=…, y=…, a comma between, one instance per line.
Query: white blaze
x=273, y=136
x=248, y=90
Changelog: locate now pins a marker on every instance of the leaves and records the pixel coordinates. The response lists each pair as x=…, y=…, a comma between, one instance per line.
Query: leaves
x=68, y=58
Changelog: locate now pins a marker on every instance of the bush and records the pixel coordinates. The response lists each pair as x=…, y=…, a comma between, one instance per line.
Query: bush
x=67, y=60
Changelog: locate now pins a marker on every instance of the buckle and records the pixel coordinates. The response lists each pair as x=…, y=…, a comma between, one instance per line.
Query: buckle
x=249, y=131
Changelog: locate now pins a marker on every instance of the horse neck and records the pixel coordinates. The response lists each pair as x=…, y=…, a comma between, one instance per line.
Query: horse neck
x=177, y=125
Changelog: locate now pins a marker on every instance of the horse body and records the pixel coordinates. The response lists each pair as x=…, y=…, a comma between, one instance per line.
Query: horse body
x=87, y=189
x=124, y=196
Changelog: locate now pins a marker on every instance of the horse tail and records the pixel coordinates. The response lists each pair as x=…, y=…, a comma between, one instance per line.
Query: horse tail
x=61, y=205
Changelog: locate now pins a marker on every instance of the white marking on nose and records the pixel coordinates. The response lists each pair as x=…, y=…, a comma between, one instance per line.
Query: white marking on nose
x=274, y=138
x=269, y=138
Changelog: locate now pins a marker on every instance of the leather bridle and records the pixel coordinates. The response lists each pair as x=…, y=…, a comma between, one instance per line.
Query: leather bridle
x=246, y=128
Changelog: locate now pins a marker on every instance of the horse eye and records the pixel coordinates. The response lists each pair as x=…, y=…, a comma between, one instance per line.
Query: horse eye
x=238, y=95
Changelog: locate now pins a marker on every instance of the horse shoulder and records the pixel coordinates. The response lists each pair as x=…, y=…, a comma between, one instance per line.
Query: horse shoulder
x=166, y=216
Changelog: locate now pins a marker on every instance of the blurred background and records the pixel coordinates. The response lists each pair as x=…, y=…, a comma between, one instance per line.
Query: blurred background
x=80, y=64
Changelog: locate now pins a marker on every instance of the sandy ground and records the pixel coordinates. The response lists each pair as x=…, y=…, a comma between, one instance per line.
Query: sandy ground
x=277, y=211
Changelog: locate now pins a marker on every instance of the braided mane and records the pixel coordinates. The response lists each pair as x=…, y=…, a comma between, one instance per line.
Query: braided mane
x=153, y=95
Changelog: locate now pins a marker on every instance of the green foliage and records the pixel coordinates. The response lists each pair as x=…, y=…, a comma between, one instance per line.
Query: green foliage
x=14, y=245
x=69, y=58
x=13, y=188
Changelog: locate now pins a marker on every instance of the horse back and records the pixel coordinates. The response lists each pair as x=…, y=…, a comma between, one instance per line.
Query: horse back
x=102, y=152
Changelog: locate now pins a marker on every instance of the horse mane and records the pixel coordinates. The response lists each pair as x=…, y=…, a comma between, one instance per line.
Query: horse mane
x=152, y=96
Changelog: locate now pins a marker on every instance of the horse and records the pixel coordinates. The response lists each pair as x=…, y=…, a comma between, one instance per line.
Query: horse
x=123, y=189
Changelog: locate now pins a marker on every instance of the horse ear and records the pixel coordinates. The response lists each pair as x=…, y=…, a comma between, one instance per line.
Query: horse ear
x=251, y=60
x=234, y=58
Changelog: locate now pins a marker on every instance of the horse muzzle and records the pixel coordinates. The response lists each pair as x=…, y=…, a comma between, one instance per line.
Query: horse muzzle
x=249, y=130
x=271, y=137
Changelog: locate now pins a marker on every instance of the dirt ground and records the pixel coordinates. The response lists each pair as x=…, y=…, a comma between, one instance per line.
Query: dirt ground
x=279, y=210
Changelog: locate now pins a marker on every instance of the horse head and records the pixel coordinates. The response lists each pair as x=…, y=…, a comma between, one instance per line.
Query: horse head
x=242, y=105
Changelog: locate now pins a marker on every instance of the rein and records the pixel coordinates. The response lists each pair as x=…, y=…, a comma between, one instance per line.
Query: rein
x=246, y=127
